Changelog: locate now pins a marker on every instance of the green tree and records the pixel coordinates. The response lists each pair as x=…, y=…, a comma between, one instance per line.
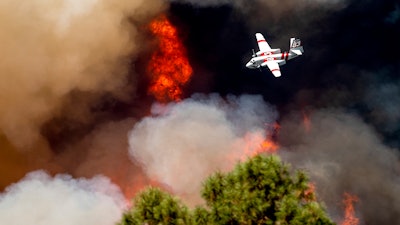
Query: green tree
x=153, y=207
x=261, y=191
x=258, y=191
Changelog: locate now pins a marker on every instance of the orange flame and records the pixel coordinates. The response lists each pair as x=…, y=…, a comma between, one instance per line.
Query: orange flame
x=309, y=194
x=169, y=67
x=349, y=213
x=257, y=144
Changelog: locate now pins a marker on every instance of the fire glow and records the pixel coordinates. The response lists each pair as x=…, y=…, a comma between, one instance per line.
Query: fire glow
x=310, y=192
x=349, y=213
x=256, y=144
x=306, y=121
x=169, y=67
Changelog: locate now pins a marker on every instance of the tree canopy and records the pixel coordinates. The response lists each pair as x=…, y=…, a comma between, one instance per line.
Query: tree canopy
x=153, y=206
x=259, y=191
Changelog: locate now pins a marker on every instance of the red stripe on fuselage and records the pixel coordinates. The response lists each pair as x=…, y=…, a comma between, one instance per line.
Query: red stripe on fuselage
x=283, y=55
x=275, y=70
x=287, y=55
x=263, y=54
x=261, y=41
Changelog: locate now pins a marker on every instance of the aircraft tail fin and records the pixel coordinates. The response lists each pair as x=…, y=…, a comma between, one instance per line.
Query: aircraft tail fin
x=295, y=46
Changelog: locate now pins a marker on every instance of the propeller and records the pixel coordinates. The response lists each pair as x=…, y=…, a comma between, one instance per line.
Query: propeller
x=254, y=53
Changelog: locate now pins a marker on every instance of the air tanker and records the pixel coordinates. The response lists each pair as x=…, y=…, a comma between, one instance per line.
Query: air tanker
x=273, y=58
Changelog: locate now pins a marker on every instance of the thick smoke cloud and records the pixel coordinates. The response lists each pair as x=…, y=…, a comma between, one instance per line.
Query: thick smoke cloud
x=66, y=75
x=183, y=143
x=67, y=68
x=41, y=199
x=343, y=154
x=104, y=151
x=51, y=48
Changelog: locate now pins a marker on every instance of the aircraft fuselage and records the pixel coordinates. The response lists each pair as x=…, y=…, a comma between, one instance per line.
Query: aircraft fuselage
x=273, y=58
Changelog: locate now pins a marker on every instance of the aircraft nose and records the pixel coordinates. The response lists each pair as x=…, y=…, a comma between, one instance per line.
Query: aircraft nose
x=249, y=64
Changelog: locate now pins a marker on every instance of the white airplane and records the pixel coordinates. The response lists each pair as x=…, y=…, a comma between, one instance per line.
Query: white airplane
x=273, y=58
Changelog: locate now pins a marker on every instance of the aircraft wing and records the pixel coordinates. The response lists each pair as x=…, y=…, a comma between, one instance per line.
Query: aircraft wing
x=262, y=43
x=274, y=67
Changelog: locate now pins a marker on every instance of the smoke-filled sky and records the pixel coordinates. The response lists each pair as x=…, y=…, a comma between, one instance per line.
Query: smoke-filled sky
x=73, y=102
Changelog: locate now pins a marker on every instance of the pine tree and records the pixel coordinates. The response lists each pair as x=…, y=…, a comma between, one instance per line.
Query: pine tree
x=154, y=207
x=259, y=191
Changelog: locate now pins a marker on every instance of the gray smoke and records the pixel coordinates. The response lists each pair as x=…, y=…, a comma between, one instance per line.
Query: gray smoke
x=182, y=143
x=383, y=101
x=41, y=199
x=381, y=97
x=343, y=154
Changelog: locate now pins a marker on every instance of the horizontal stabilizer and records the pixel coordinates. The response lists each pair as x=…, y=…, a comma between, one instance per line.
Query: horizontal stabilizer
x=297, y=51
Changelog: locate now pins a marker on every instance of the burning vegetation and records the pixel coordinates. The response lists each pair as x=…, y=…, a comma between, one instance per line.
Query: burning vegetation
x=169, y=68
x=349, y=212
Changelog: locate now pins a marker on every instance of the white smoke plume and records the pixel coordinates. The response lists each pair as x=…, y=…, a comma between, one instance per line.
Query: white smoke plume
x=343, y=154
x=45, y=200
x=50, y=48
x=182, y=143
